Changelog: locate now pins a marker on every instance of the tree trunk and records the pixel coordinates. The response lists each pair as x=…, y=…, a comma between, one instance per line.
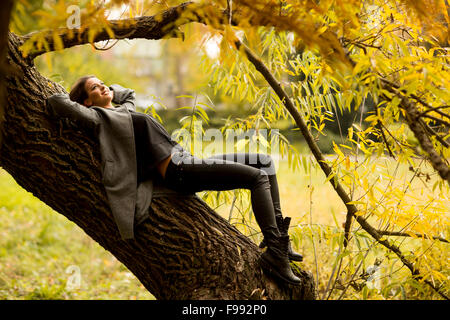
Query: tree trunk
x=184, y=250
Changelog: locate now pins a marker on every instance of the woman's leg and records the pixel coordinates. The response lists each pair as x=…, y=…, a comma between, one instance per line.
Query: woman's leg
x=260, y=161
x=190, y=174
x=265, y=163
x=193, y=175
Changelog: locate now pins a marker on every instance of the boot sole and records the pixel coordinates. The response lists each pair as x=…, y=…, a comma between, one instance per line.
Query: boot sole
x=268, y=267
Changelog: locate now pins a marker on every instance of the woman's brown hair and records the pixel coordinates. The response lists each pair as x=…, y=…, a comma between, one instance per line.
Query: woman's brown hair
x=78, y=92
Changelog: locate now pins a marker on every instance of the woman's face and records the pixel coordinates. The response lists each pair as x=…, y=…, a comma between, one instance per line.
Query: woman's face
x=98, y=93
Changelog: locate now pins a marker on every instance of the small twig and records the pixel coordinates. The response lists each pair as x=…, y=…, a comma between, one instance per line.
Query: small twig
x=105, y=48
x=310, y=228
x=399, y=143
x=434, y=133
x=232, y=207
x=443, y=122
x=403, y=234
x=436, y=109
x=418, y=99
x=380, y=127
x=229, y=10
x=354, y=274
x=338, y=265
x=410, y=107
x=385, y=140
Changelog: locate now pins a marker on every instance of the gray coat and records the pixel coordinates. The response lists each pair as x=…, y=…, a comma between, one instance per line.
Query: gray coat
x=128, y=203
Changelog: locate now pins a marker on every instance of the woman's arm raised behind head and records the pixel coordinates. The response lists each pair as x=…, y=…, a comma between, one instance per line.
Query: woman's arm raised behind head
x=61, y=106
x=123, y=96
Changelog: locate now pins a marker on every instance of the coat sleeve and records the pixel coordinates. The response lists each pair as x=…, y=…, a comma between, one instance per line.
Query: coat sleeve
x=123, y=96
x=61, y=106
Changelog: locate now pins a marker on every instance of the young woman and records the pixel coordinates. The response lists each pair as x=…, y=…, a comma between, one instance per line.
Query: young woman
x=135, y=149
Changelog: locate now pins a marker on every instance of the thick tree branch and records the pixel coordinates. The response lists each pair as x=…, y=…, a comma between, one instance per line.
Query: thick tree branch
x=404, y=234
x=159, y=26
x=5, y=15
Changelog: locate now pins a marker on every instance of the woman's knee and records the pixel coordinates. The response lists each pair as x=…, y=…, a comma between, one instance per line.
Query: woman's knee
x=260, y=179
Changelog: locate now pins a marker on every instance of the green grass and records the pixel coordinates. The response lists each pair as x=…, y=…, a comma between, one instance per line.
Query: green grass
x=39, y=247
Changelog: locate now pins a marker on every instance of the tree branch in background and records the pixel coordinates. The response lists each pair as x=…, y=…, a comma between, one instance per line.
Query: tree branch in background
x=414, y=123
x=434, y=133
x=404, y=234
x=147, y=27
x=259, y=65
x=436, y=110
x=441, y=121
x=352, y=210
x=380, y=127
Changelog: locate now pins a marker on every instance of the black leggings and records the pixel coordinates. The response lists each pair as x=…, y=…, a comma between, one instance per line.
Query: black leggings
x=256, y=172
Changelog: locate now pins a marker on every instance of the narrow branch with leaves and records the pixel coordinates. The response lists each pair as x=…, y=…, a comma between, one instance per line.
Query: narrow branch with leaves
x=352, y=210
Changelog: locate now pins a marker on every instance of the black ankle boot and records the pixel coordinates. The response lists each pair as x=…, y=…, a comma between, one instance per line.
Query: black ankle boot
x=283, y=227
x=275, y=259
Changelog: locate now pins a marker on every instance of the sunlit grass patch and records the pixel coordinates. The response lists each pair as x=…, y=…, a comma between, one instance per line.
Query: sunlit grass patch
x=40, y=251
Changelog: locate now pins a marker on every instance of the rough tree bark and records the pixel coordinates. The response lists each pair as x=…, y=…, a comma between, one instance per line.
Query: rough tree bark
x=184, y=250
x=5, y=15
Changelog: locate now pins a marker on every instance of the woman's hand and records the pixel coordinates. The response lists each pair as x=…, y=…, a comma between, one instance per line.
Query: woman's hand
x=123, y=96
